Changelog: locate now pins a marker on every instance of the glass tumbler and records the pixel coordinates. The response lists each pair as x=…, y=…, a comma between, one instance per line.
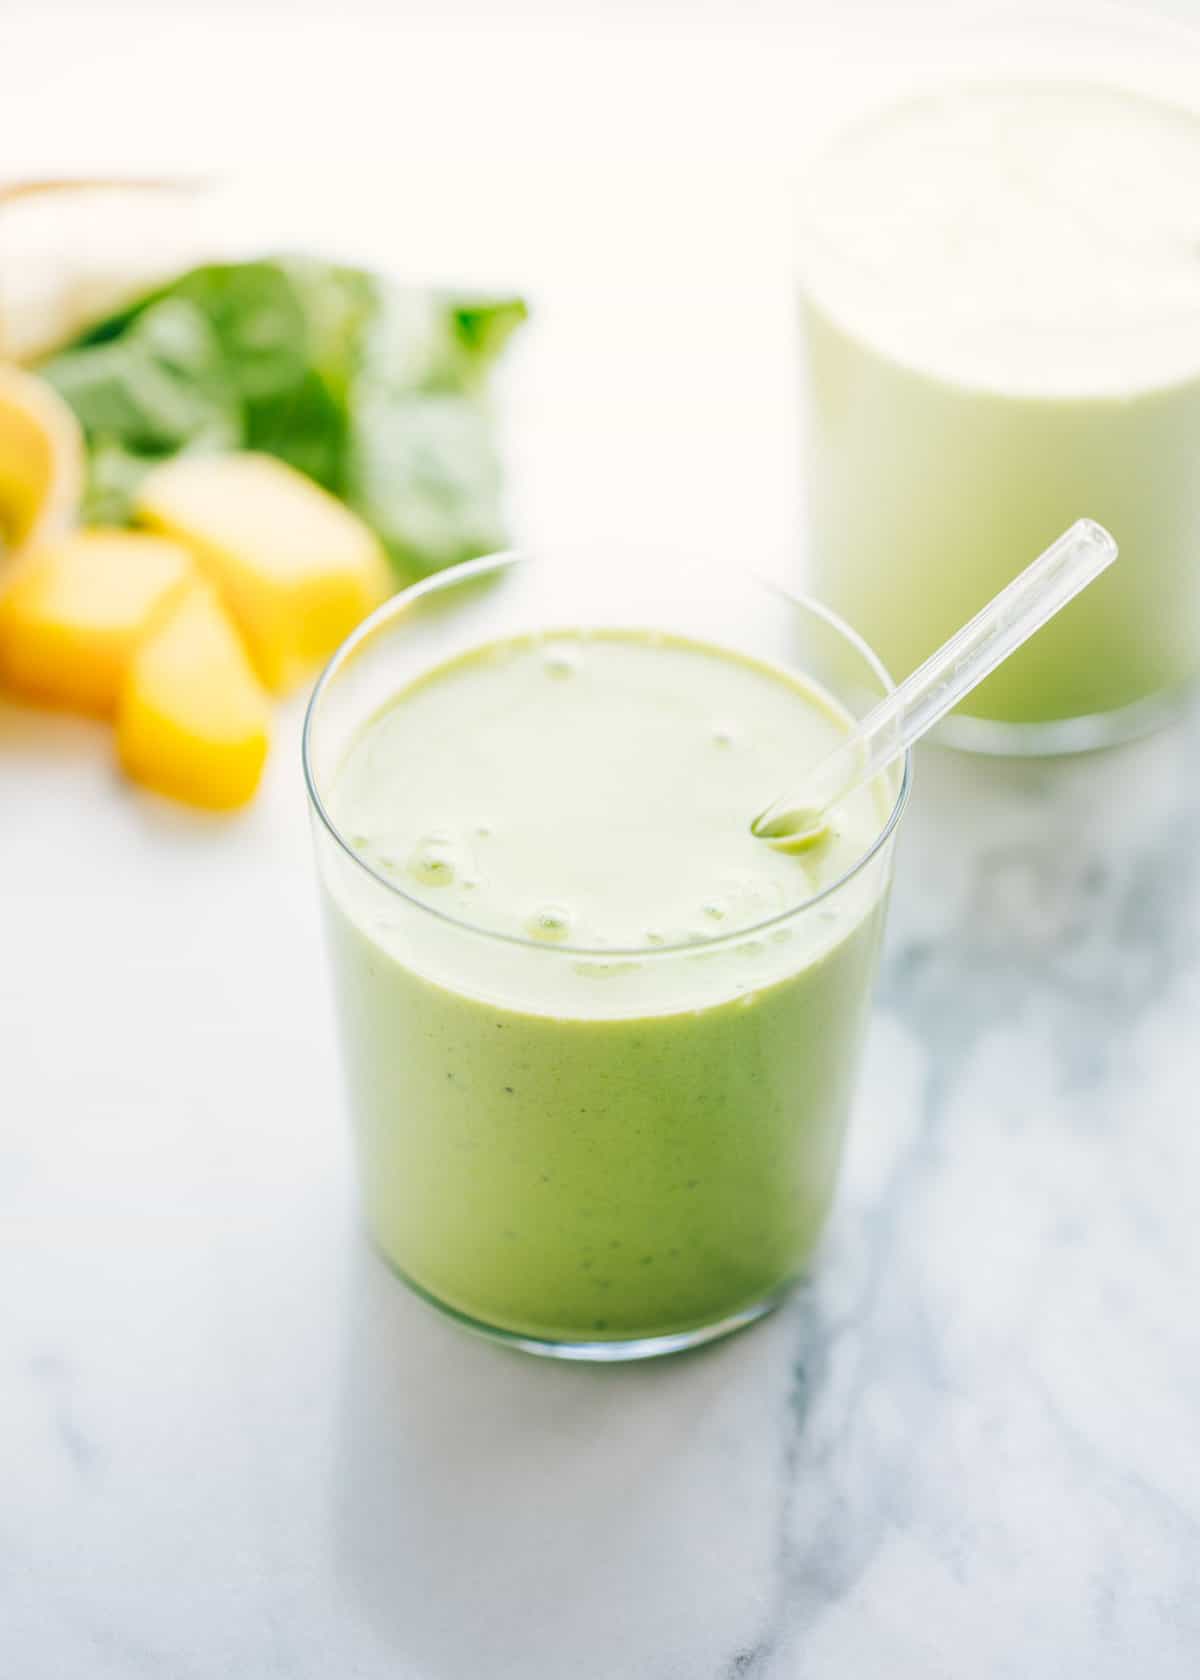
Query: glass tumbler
x=594, y=1153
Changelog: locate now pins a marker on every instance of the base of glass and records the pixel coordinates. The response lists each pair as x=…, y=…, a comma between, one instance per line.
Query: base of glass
x=610, y=1351
x=997, y=739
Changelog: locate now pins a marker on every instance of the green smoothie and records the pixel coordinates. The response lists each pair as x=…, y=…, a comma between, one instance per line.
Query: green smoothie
x=1001, y=298
x=600, y=1056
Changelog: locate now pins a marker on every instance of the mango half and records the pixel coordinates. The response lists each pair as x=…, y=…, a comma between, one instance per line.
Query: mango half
x=193, y=718
x=296, y=569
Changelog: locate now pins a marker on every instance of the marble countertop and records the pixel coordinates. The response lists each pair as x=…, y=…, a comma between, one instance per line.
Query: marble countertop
x=230, y=1444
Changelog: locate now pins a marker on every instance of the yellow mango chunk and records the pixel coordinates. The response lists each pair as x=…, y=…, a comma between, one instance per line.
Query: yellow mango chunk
x=294, y=566
x=192, y=721
x=41, y=460
x=75, y=609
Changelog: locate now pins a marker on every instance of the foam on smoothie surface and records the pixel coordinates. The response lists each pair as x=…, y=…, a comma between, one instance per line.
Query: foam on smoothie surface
x=1038, y=238
x=596, y=790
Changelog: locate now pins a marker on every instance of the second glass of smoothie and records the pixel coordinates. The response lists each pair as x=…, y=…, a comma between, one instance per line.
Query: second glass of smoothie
x=1001, y=309
x=600, y=1042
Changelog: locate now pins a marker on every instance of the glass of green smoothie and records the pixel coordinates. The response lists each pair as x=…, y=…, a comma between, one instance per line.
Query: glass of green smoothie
x=600, y=1041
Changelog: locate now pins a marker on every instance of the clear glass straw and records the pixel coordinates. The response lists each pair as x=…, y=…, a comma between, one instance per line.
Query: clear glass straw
x=921, y=700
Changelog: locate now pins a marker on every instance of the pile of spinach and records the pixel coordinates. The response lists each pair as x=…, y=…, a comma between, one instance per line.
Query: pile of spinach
x=375, y=390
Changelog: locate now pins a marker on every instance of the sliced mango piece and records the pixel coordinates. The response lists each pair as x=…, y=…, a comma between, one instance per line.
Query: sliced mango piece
x=192, y=721
x=75, y=609
x=294, y=566
x=41, y=460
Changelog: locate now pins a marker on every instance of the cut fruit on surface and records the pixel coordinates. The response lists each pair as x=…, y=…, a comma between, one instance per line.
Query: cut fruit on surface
x=296, y=569
x=193, y=718
x=75, y=609
x=41, y=461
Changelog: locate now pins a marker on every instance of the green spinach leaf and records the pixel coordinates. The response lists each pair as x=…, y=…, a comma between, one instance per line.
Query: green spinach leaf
x=376, y=391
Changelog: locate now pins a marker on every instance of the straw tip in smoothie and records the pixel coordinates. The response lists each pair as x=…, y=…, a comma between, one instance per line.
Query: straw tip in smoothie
x=790, y=831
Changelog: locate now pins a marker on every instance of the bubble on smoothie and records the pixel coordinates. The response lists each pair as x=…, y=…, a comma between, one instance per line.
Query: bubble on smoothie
x=483, y=831
x=433, y=864
x=753, y=899
x=606, y=968
x=713, y=910
x=549, y=922
x=560, y=663
x=723, y=736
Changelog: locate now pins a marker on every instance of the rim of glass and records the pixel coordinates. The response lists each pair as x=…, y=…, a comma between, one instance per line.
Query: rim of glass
x=436, y=581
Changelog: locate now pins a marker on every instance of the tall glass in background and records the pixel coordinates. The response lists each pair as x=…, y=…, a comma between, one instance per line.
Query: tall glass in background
x=595, y=1153
x=1001, y=318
